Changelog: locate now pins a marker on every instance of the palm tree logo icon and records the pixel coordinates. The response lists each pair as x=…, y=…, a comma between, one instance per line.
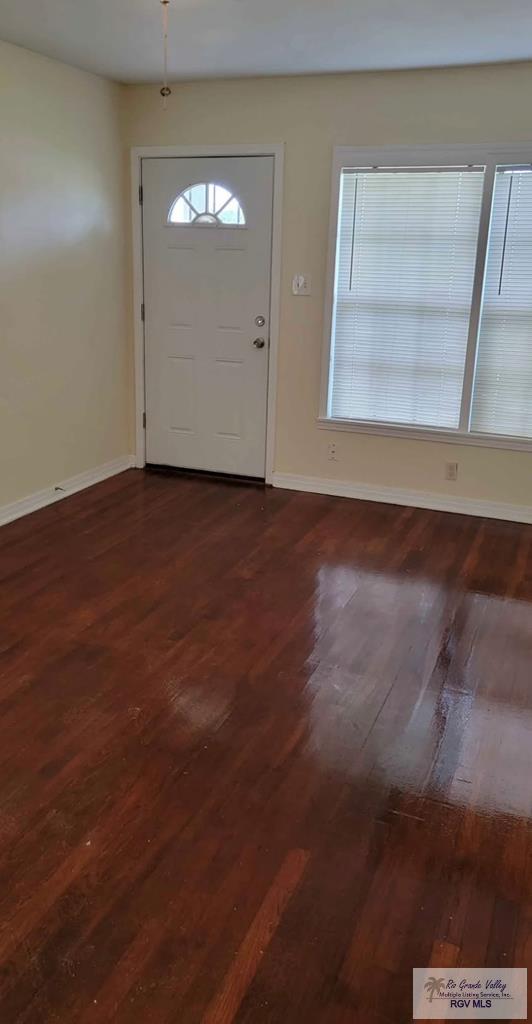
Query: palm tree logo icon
x=434, y=987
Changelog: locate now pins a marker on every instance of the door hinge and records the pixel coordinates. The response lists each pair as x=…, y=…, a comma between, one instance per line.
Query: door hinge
x=142, y=312
x=144, y=420
x=141, y=194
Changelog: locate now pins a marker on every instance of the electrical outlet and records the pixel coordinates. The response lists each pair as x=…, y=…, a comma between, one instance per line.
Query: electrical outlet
x=331, y=451
x=451, y=471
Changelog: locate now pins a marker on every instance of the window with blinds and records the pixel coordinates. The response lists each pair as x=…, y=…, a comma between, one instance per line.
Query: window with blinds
x=431, y=323
x=502, y=395
x=405, y=263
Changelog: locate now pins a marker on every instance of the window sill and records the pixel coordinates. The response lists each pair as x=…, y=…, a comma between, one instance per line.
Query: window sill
x=426, y=434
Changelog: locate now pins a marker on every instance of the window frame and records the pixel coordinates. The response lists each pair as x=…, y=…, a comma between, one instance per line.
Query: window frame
x=455, y=156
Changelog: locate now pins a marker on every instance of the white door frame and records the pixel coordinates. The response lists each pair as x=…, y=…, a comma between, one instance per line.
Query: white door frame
x=276, y=150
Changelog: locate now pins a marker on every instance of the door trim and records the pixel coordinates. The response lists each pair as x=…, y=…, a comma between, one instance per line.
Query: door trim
x=138, y=154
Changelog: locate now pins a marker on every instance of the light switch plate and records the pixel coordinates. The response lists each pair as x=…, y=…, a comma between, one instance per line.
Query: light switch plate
x=301, y=284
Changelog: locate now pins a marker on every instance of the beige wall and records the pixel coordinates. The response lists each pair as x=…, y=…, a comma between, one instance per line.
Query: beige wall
x=65, y=375
x=311, y=115
x=63, y=267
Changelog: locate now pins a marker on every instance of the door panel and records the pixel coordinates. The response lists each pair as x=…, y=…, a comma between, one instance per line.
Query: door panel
x=204, y=286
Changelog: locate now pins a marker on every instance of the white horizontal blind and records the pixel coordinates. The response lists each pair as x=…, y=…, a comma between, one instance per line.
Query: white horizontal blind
x=405, y=261
x=502, y=396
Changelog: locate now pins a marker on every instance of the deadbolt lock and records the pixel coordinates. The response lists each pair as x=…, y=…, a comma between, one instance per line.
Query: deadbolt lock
x=260, y=321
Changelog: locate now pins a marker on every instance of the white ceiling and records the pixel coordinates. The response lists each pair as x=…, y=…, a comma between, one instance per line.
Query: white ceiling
x=122, y=38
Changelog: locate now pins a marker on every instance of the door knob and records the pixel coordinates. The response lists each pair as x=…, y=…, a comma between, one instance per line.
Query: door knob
x=259, y=343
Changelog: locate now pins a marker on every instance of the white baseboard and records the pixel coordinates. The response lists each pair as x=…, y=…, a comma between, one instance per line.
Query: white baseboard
x=396, y=496
x=75, y=483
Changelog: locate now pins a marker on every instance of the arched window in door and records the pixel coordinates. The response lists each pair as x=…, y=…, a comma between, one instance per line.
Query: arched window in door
x=207, y=204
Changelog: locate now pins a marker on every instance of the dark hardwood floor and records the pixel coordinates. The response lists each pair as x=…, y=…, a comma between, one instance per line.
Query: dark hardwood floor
x=261, y=754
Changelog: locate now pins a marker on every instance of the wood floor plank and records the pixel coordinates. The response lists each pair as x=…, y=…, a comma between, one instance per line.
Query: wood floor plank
x=261, y=754
x=226, y=1003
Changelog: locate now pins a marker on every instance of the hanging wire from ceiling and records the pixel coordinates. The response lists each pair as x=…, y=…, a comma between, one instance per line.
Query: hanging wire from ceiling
x=165, y=90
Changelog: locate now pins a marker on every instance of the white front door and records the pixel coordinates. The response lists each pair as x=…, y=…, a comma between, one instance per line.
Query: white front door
x=207, y=230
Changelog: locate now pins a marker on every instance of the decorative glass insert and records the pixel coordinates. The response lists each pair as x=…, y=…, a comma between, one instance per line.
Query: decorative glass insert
x=207, y=204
